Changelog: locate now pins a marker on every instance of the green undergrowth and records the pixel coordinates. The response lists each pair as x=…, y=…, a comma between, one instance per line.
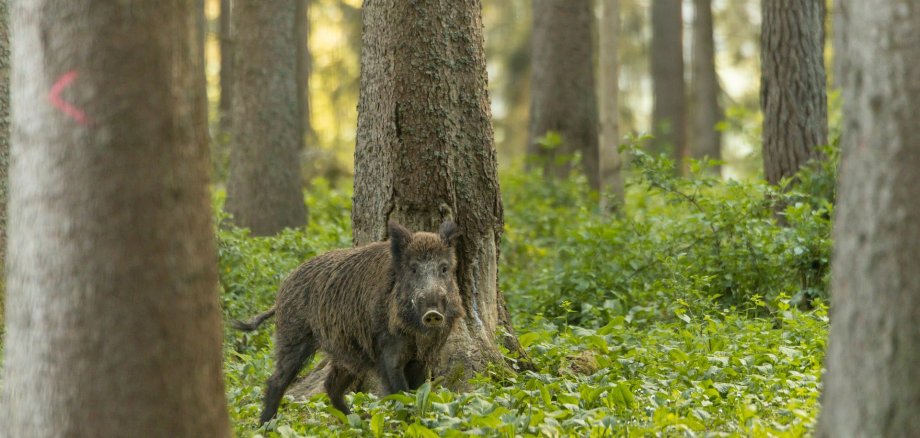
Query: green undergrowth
x=690, y=312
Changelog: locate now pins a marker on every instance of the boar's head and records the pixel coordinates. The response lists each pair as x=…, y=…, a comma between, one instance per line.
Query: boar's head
x=424, y=270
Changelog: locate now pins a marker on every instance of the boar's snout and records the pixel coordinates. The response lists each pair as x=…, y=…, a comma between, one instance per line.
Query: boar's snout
x=432, y=308
x=433, y=318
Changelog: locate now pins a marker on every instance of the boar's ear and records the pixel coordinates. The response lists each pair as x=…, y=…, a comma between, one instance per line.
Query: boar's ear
x=399, y=239
x=449, y=233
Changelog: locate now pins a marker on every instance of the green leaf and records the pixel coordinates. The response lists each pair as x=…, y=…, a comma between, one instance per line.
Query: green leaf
x=678, y=355
x=377, y=425
x=423, y=399
x=528, y=338
x=399, y=397
x=418, y=430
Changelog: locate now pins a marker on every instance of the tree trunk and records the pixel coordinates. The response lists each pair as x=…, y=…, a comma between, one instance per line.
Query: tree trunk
x=870, y=385
x=302, y=26
x=563, y=95
x=610, y=161
x=425, y=153
x=113, y=325
x=4, y=139
x=226, y=65
x=264, y=185
x=202, y=88
x=793, y=93
x=707, y=140
x=669, y=108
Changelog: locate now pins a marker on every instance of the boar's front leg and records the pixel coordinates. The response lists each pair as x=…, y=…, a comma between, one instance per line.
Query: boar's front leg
x=416, y=373
x=391, y=366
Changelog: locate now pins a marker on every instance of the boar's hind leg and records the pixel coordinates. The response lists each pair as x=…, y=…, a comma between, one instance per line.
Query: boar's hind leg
x=336, y=384
x=290, y=355
x=416, y=374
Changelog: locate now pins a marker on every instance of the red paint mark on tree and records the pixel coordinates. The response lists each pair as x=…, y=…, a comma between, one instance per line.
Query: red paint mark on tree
x=55, y=97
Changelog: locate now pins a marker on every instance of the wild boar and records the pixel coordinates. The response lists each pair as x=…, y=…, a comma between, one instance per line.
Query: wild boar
x=386, y=307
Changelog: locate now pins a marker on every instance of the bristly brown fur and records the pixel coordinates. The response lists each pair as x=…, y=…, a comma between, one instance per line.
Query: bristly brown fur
x=362, y=307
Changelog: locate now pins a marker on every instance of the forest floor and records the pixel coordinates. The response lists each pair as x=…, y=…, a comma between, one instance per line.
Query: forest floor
x=691, y=312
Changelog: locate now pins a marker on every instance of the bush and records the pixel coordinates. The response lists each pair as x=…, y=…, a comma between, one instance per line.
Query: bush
x=696, y=239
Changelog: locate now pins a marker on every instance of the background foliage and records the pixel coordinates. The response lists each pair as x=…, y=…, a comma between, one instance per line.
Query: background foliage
x=692, y=312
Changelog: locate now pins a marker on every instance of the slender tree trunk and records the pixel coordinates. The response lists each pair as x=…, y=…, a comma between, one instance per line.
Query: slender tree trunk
x=669, y=108
x=264, y=185
x=610, y=161
x=707, y=140
x=226, y=65
x=113, y=325
x=302, y=26
x=425, y=153
x=793, y=93
x=202, y=89
x=563, y=95
x=870, y=386
x=4, y=138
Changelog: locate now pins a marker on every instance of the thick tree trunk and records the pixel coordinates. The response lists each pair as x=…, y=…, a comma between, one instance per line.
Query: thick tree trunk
x=113, y=325
x=302, y=26
x=669, y=108
x=425, y=153
x=704, y=86
x=264, y=185
x=870, y=388
x=563, y=95
x=793, y=93
x=424, y=95
x=226, y=65
x=610, y=161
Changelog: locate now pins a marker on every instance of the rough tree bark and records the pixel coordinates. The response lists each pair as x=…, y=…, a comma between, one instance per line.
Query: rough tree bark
x=611, y=163
x=113, y=325
x=793, y=93
x=870, y=385
x=704, y=86
x=264, y=184
x=425, y=153
x=563, y=95
x=226, y=65
x=669, y=107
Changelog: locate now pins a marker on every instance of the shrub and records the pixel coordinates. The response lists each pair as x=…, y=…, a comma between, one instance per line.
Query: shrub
x=696, y=239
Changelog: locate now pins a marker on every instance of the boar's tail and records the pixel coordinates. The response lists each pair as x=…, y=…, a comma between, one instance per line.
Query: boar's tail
x=255, y=322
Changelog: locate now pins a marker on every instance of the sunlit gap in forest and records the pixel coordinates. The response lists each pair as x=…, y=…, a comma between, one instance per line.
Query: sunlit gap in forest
x=335, y=46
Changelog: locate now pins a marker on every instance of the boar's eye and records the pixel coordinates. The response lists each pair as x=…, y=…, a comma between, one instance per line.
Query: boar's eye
x=443, y=268
x=414, y=268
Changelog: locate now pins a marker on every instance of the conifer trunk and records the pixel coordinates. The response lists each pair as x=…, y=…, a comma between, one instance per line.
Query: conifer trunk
x=611, y=163
x=704, y=86
x=669, y=108
x=870, y=386
x=563, y=94
x=264, y=185
x=793, y=90
x=113, y=325
x=4, y=138
x=226, y=65
x=425, y=153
